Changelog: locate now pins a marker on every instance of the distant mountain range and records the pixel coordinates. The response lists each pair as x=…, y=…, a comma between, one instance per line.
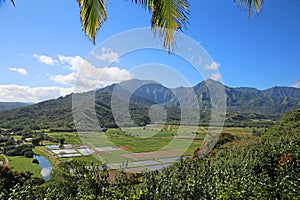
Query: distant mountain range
x=243, y=103
x=11, y=105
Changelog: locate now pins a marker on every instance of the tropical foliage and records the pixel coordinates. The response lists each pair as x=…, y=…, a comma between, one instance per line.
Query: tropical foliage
x=11, y=105
x=167, y=16
x=245, y=107
x=252, y=5
x=266, y=169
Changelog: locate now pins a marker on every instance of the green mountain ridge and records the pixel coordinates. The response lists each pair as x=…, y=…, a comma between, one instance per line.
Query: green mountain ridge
x=12, y=105
x=249, y=103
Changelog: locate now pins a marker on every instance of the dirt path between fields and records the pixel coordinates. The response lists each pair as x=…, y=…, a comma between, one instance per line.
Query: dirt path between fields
x=49, y=155
x=5, y=160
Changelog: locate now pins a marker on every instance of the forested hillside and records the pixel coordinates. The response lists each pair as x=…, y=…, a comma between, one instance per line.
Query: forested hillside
x=267, y=168
x=244, y=105
x=11, y=105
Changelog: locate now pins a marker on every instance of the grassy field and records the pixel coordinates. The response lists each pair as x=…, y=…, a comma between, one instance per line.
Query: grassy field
x=152, y=138
x=87, y=159
x=17, y=137
x=70, y=138
x=21, y=163
x=135, y=140
x=149, y=139
x=111, y=157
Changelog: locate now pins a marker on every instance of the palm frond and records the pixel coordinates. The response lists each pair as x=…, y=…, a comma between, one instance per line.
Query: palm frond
x=248, y=4
x=167, y=17
x=92, y=15
x=12, y=1
x=144, y=3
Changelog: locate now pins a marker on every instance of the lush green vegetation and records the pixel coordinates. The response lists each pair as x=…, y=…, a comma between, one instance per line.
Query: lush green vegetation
x=267, y=168
x=11, y=105
x=11, y=146
x=20, y=163
x=10, y=179
x=93, y=15
x=246, y=108
x=2, y=158
x=135, y=144
x=70, y=138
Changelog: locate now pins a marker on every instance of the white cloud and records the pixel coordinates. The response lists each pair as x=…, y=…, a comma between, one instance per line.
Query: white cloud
x=74, y=63
x=296, y=85
x=45, y=59
x=213, y=66
x=19, y=70
x=86, y=76
x=216, y=76
x=31, y=94
x=108, y=55
x=91, y=77
x=69, y=79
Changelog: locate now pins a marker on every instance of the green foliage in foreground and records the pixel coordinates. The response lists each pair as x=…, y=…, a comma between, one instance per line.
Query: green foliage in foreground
x=267, y=169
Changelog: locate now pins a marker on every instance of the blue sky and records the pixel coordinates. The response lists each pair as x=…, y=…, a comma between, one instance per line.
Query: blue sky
x=43, y=46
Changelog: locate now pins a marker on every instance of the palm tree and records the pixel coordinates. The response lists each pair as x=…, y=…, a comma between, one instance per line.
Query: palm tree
x=12, y=1
x=248, y=4
x=167, y=16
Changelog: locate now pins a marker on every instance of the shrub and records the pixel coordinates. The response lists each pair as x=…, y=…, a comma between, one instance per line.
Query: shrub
x=224, y=138
x=23, y=151
x=28, y=154
x=35, y=161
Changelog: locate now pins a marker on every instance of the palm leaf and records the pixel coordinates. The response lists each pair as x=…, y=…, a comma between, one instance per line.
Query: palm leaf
x=144, y=3
x=3, y=1
x=248, y=4
x=167, y=17
x=92, y=15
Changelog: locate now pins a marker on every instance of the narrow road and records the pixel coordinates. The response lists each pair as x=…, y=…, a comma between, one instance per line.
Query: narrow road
x=5, y=160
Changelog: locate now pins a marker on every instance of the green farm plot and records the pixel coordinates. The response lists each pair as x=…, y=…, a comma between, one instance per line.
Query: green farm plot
x=132, y=141
x=238, y=130
x=87, y=159
x=17, y=137
x=20, y=163
x=96, y=139
x=240, y=133
x=112, y=157
x=70, y=138
x=163, y=139
x=150, y=139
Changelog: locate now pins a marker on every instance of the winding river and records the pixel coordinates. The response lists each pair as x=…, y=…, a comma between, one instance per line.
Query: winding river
x=45, y=165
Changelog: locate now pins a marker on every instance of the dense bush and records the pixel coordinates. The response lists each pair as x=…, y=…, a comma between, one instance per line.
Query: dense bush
x=266, y=169
x=35, y=161
x=10, y=180
x=28, y=154
x=224, y=138
x=3, y=139
x=18, y=150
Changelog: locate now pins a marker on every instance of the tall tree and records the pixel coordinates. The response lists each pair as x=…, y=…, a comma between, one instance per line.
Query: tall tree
x=253, y=6
x=12, y=1
x=168, y=16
